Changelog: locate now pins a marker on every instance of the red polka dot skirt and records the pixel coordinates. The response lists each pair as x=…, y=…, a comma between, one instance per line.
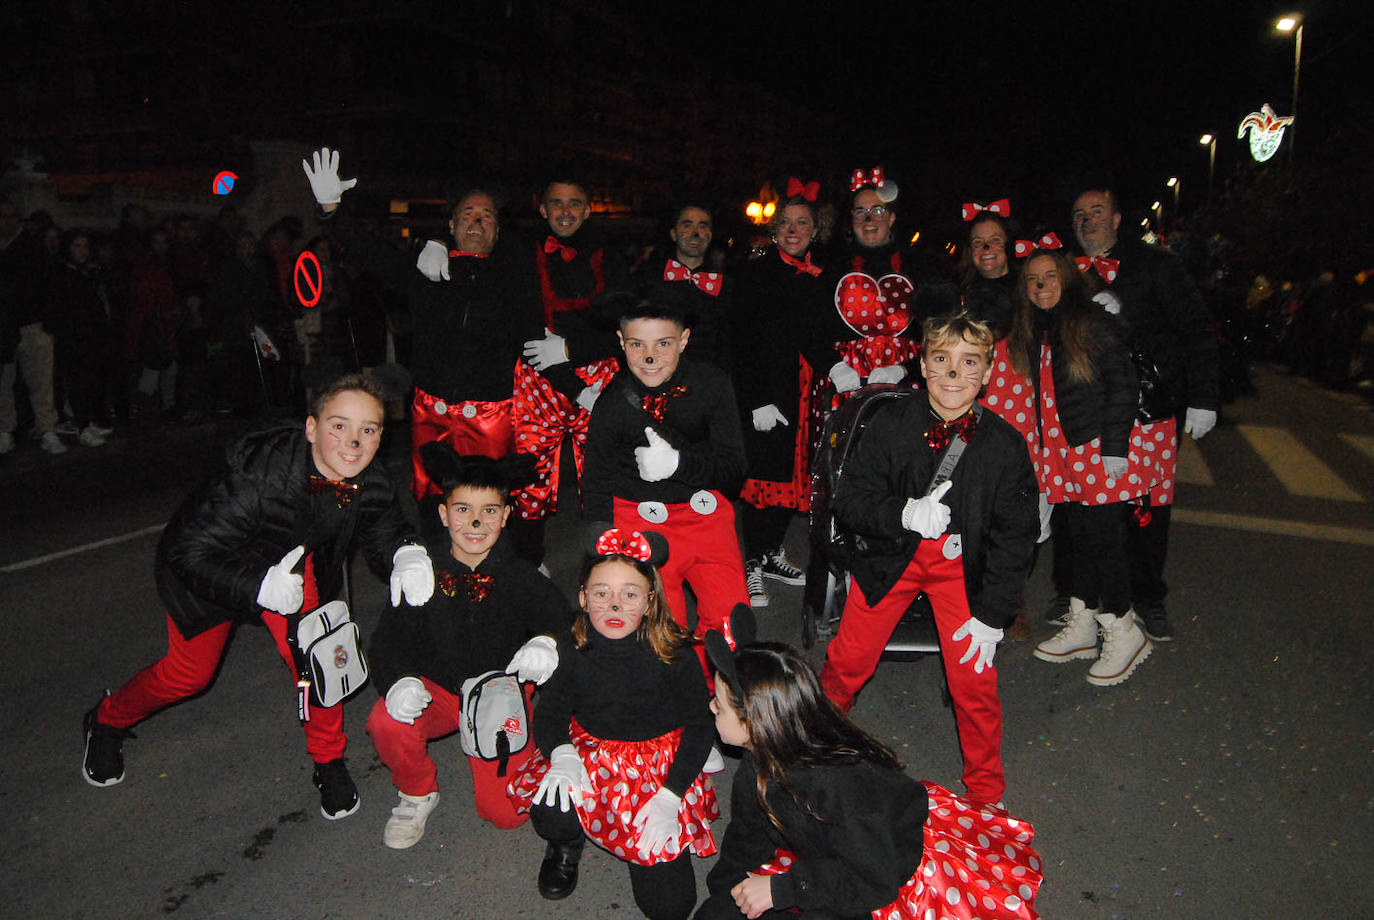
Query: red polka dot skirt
x=763, y=493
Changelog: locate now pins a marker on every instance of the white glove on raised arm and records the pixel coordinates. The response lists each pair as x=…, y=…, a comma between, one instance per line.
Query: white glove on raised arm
x=588, y=397
x=892, y=373
x=768, y=417
x=1114, y=467
x=983, y=641
x=844, y=377
x=566, y=780
x=550, y=351
x=406, y=699
x=412, y=574
x=928, y=516
x=535, y=661
x=282, y=590
x=657, y=823
x=433, y=261
x=1108, y=301
x=324, y=178
x=657, y=461
x=1197, y=422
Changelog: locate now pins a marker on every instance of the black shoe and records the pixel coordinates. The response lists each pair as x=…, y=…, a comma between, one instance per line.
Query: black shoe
x=103, y=762
x=1155, y=622
x=558, y=873
x=338, y=795
x=1057, y=613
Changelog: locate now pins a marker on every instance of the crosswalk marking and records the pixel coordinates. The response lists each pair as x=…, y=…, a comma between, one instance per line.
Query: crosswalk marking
x=1361, y=442
x=1295, y=466
x=1254, y=524
x=1192, y=467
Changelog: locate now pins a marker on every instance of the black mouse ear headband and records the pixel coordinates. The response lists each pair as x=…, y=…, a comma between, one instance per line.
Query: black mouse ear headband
x=446, y=466
x=644, y=545
x=740, y=630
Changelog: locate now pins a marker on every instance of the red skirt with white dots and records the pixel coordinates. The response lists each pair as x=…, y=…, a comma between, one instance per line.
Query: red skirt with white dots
x=625, y=775
x=977, y=862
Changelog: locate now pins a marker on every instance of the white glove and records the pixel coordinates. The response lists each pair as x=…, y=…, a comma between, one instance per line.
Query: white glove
x=282, y=590
x=589, y=395
x=1108, y=301
x=657, y=823
x=566, y=780
x=844, y=377
x=412, y=574
x=324, y=178
x=983, y=641
x=768, y=417
x=550, y=351
x=406, y=699
x=535, y=661
x=1197, y=422
x=1046, y=513
x=928, y=516
x=892, y=373
x=433, y=261
x=1114, y=467
x=657, y=461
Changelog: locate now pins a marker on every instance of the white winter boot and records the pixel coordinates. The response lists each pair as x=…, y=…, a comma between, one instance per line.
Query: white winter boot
x=1076, y=640
x=1124, y=646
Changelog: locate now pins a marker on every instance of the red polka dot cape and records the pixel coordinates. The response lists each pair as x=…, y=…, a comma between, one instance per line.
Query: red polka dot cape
x=624, y=776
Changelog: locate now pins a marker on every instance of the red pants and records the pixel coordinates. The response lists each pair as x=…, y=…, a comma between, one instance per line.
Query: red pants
x=703, y=550
x=471, y=427
x=402, y=748
x=864, y=630
x=190, y=665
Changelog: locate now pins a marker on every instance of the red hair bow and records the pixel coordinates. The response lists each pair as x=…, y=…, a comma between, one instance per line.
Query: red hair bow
x=1106, y=266
x=616, y=542
x=1000, y=207
x=1026, y=247
x=809, y=190
x=554, y=244
x=860, y=178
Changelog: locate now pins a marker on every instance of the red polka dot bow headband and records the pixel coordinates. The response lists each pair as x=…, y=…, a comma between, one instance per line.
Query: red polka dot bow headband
x=1001, y=207
x=1026, y=247
x=616, y=542
x=887, y=189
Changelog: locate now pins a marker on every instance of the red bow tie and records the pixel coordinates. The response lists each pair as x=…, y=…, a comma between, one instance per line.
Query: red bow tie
x=615, y=542
x=807, y=190
x=554, y=244
x=1106, y=266
x=860, y=178
x=941, y=433
x=478, y=586
x=1000, y=207
x=656, y=404
x=457, y=253
x=706, y=281
x=1026, y=247
x=343, y=489
x=805, y=266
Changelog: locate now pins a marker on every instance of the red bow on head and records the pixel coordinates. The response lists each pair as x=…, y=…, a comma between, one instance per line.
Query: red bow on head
x=941, y=433
x=1106, y=266
x=1001, y=207
x=343, y=489
x=455, y=253
x=706, y=281
x=616, y=542
x=477, y=585
x=656, y=404
x=805, y=266
x=860, y=178
x=554, y=244
x=1026, y=247
x=809, y=190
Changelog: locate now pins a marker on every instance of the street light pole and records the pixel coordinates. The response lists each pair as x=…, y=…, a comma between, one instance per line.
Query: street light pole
x=1210, y=143
x=1177, y=186
x=1291, y=23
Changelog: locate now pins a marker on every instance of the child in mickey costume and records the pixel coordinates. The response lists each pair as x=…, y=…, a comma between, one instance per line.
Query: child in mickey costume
x=624, y=731
x=491, y=607
x=824, y=822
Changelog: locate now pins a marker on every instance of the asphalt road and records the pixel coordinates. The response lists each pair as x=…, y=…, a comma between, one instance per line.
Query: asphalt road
x=1232, y=775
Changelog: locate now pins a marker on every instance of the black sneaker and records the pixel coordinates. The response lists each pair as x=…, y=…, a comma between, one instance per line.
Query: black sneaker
x=776, y=567
x=103, y=761
x=1057, y=613
x=338, y=795
x=1155, y=622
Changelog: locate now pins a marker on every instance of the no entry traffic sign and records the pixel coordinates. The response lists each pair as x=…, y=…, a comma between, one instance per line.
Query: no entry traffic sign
x=313, y=278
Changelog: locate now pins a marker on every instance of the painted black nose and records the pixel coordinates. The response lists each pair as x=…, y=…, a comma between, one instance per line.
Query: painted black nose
x=648, y=360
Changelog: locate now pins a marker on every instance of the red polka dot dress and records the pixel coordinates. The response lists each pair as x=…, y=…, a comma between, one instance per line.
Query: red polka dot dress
x=1011, y=396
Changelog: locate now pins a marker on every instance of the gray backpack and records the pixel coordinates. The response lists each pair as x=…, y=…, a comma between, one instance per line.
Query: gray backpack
x=496, y=718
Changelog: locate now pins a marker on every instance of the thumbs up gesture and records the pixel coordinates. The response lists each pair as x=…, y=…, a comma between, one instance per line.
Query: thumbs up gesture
x=657, y=461
x=928, y=516
x=282, y=590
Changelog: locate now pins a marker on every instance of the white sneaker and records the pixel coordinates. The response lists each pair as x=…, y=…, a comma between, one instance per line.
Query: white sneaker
x=714, y=762
x=90, y=437
x=1124, y=646
x=406, y=825
x=753, y=581
x=52, y=443
x=1077, y=640
x=100, y=429
x=6, y=442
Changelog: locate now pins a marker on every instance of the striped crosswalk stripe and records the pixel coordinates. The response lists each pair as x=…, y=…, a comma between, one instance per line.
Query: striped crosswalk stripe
x=1300, y=471
x=1361, y=442
x=1192, y=467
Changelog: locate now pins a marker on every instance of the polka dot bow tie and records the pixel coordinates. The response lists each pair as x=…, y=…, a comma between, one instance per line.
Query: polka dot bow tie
x=706, y=281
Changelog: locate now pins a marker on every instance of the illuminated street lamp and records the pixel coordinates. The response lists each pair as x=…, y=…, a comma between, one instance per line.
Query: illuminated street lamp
x=1177, y=185
x=1159, y=215
x=1210, y=143
x=1293, y=23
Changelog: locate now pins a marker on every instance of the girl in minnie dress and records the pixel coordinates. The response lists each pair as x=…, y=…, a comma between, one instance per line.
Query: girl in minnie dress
x=623, y=731
x=824, y=821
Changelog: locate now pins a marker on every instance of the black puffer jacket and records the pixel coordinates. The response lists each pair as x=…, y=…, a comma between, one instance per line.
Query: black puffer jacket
x=225, y=536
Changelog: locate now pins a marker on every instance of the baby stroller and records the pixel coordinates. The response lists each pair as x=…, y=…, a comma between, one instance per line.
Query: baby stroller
x=827, y=576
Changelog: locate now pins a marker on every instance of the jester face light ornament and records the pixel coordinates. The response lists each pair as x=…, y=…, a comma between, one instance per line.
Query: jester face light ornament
x=1266, y=132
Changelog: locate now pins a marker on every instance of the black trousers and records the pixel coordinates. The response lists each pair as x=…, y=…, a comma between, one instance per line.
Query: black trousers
x=763, y=528
x=1101, y=570
x=1147, y=548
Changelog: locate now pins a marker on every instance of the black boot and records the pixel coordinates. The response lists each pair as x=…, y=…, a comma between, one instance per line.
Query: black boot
x=558, y=874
